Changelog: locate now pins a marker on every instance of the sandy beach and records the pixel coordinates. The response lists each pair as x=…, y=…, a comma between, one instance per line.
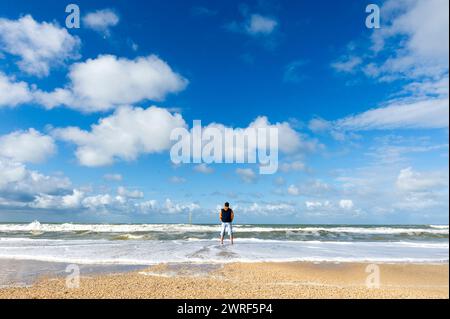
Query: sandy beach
x=250, y=280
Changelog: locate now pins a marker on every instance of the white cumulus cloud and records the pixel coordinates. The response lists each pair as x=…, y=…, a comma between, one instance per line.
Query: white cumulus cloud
x=39, y=45
x=317, y=204
x=123, y=135
x=13, y=93
x=101, y=20
x=107, y=82
x=27, y=146
x=176, y=208
x=19, y=184
x=122, y=191
x=346, y=204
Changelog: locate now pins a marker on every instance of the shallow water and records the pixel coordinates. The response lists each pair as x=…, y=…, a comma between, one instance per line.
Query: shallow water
x=23, y=273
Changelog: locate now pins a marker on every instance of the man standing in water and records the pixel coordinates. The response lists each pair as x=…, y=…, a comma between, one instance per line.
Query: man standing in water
x=226, y=216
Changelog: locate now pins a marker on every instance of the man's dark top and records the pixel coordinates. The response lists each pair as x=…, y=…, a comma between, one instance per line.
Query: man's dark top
x=226, y=215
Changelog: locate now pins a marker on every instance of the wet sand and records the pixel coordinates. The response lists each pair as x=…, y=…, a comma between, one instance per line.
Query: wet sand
x=252, y=280
x=22, y=273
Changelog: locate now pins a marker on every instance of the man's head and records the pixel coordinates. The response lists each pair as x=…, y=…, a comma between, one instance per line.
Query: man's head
x=226, y=205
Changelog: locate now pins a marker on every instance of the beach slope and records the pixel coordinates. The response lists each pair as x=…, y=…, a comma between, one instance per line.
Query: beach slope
x=253, y=280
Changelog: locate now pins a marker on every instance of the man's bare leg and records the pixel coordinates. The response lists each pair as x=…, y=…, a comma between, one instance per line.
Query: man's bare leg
x=231, y=237
x=221, y=240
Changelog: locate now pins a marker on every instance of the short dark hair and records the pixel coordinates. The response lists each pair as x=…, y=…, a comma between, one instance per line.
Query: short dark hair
x=227, y=204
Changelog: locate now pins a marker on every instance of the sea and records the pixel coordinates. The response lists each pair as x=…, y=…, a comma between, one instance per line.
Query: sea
x=149, y=244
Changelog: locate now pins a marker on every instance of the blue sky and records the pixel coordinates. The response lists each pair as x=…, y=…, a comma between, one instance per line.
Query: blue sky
x=85, y=113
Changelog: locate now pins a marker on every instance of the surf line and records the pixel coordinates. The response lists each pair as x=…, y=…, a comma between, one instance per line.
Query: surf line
x=218, y=144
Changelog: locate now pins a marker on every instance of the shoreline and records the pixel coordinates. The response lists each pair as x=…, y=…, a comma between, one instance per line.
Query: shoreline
x=249, y=280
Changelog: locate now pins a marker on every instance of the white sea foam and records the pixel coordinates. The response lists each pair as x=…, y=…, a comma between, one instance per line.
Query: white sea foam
x=37, y=228
x=147, y=252
x=439, y=226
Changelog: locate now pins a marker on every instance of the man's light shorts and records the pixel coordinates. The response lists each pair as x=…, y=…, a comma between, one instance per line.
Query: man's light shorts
x=226, y=227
